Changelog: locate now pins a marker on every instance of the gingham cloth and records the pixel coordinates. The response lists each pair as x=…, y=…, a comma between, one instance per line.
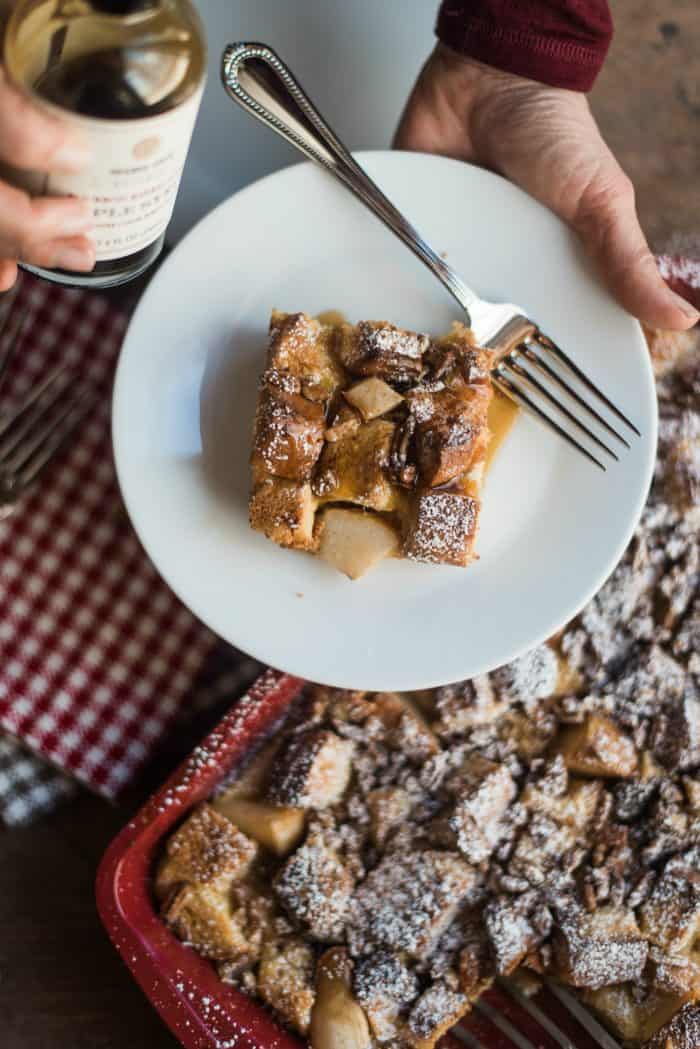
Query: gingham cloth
x=96, y=652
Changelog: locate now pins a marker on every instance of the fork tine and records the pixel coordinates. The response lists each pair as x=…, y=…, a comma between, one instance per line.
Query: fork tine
x=24, y=412
x=582, y=1016
x=466, y=1038
x=503, y=1025
x=515, y=366
x=519, y=397
x=54, y=435
x=536, y=1013
x=557, y=352
x=537, y=362
x=11, y=341
x=41, y=433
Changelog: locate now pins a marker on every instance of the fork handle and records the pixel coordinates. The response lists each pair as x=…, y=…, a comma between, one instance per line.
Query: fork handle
x=256, y=78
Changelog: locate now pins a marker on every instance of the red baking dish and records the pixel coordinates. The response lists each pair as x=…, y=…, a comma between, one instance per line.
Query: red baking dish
x=201, y=1010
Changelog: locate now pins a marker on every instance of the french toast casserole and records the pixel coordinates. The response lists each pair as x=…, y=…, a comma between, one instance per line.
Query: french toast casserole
x=383, y=858
x=370, y=442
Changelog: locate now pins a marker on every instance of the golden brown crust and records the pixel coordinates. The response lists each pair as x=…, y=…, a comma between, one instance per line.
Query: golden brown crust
x=206, y=851
x=413, y=418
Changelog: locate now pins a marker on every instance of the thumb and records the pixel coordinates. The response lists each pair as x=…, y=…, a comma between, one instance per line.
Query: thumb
x=607, y=222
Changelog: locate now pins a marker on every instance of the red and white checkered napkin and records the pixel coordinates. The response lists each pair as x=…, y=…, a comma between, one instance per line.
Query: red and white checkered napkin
x=96, y=653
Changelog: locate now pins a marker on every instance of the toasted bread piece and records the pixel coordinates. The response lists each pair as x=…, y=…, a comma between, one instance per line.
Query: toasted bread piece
x=354, y=541
x=670, y=918
x=408, y=908
x=381, y=349
x=286, y=980
x=436, y=1011
x=384, y=985
x=312, y=771
x=222, y=926
x=304, y=348
x=595, y=949
x=354, y=469
x=289, y=432
x=452, y=433
x=443, y=528
x=482, y=795
x=206, y=851
x=315, y=887
x=598, y=747
x=284, y=512
x=372, y=397
x=576, y=807
x=511, y=929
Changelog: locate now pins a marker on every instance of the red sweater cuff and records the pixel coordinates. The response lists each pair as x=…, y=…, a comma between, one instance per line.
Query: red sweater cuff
x=558, y=42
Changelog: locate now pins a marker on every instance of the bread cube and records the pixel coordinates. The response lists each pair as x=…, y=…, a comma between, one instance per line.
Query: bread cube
x=442, y=529
x=483, y=797
x=207, y=850
x=286, y=980
x=408, y=907
x=303, y=347
x=598, y=747
x=222, y=926
x=384, y=985
x=312, y=771
x=353, y=469
x=599, y=948
x=453, y=436
x=511, y=932
x=354, y=541
x=576, y=808
x=381, y=349
x=315, y=887
x=289, y=433
x=670, y=918
x=372, y=397
x=436, y=1011
x=284, y=511
x=632, y=1018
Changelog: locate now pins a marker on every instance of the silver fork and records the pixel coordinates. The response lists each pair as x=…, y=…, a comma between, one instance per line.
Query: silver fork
x=506, y=1018
x=529, y=365
x=33, y=432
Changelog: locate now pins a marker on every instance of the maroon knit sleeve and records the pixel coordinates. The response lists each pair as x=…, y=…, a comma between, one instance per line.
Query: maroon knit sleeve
x=558, y=42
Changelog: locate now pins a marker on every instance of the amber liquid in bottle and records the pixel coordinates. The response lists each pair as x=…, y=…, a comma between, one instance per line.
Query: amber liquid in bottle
x=130, y=74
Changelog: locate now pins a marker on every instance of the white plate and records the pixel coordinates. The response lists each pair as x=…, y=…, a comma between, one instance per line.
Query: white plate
x=553, y=527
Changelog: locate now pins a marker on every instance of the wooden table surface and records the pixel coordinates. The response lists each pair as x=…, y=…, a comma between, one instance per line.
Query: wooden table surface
x=61, y=984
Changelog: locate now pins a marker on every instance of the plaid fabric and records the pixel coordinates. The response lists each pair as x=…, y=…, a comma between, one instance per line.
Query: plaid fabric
x=29, y=786
x=97, y=653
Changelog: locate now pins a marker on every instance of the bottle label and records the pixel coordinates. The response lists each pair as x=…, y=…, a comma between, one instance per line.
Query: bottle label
x=133, y=178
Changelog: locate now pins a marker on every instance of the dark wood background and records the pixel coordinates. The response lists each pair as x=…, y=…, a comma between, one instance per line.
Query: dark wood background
x=61, y=984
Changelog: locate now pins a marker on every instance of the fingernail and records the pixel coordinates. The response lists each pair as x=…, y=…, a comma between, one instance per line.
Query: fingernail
x=686, y=308
x=70, y=257
x=72, y=156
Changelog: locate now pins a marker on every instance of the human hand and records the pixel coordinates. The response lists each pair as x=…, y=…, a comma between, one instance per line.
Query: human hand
x=545, y=140
x=45, y=231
